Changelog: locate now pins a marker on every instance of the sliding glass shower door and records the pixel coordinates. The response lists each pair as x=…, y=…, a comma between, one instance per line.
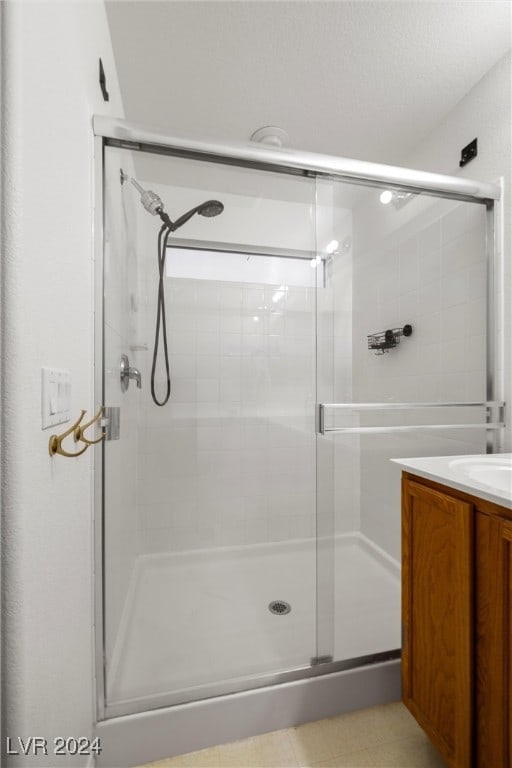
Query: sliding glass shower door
x=404, y=351
x=212, y=578
x=251, y=525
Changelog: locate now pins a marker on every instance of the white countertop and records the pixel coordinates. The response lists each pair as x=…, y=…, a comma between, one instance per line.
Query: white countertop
x=488, y=476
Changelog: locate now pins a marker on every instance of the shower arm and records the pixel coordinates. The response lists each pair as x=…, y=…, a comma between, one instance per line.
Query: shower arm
x=153, y=204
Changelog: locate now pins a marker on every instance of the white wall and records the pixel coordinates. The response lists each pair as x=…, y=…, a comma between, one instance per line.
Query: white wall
x=50, y=55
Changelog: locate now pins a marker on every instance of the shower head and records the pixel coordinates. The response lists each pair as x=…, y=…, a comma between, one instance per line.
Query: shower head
x=211, y=208
x=154, y=205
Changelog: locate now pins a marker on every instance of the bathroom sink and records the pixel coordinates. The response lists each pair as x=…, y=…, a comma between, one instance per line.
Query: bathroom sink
x=487, y=470
x=487, y=476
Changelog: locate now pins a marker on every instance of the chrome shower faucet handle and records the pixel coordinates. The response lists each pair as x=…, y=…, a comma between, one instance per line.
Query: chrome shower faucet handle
x=126, y=372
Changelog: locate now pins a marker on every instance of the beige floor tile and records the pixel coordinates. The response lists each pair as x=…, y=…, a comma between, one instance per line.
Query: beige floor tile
x=377, y=725
x=413, y=752
x=360, y=759
x=379, y=737
x=275, y=750
x=239, y=754
x=205, y=758
x=309, y=743
x=270, y=750
x=314, y=742
x=168, y=762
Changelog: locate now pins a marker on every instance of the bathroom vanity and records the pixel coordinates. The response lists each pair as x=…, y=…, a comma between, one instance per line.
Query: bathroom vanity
x=457, y=605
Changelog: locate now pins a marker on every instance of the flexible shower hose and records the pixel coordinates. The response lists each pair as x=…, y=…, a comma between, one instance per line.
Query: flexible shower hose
x=163, y=236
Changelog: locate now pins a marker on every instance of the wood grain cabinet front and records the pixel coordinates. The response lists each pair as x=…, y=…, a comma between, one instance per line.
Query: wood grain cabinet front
x=493, y=641
x=457, y=622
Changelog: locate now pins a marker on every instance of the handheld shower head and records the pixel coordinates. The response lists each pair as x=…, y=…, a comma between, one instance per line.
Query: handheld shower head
x=154, y=205
x=209, y=209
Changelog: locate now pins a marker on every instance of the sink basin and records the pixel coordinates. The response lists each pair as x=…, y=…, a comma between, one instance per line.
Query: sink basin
x=492, y=472
x=487, y=476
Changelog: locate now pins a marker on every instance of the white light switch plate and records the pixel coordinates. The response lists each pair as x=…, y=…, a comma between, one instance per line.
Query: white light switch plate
x=55, y=396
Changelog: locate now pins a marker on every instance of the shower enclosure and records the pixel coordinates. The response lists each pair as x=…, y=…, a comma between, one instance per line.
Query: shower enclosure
x=248, y=532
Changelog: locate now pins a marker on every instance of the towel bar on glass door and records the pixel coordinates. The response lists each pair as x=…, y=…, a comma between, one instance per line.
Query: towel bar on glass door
x=488, y=404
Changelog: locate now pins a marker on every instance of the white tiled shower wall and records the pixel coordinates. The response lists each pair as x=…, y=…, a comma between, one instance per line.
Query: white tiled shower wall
x=431, y=273
x=434, y=279
x=230, y=459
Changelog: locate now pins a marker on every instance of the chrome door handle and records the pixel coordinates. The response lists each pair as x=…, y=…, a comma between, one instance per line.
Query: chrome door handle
x=126, y=372
x=493, y=420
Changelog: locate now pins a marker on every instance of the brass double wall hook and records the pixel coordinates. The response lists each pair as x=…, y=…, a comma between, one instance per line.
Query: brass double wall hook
x=77, y=430
x=78, y=433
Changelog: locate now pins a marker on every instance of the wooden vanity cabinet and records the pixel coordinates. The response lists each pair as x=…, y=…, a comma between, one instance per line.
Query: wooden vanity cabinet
x=457, y=622
x=493, y=640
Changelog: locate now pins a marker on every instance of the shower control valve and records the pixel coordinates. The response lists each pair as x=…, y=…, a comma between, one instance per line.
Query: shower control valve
x=126, y=372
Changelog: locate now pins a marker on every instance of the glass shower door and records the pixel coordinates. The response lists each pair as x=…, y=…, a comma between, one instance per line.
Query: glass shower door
x=251, y=526
x=213, y=579
x=390, y=391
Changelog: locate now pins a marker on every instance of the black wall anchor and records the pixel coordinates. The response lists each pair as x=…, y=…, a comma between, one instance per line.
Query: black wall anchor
x=469, y=152
x=103, y=82
x=383, y=341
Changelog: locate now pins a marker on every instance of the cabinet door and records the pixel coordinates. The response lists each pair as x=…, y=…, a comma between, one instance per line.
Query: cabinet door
x=493, y=547
x=437, y=620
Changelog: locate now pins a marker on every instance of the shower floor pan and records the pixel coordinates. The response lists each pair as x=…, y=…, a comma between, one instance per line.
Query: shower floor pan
x=198, y=620
x=202, y=616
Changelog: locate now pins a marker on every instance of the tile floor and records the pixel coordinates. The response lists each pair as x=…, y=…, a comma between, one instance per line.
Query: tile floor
x=379, y=737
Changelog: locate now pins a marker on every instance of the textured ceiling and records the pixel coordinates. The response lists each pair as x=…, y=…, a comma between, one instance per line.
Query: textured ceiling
x=359, y=79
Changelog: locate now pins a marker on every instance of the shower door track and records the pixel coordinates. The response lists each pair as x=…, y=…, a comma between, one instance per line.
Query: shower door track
x=265, y=680
x=122, y=134
x=126, y=135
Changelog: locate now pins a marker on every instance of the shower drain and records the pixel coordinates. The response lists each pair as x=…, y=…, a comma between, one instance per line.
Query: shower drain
x=280, y=607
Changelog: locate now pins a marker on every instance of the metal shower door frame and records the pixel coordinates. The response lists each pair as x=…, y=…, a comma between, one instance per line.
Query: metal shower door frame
x=119, y=133
x=99, y=690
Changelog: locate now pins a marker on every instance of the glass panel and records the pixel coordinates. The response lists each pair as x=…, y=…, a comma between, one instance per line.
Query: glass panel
x=120, y=336
x=421, y=261
x=210, y=500
x=230, y=497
